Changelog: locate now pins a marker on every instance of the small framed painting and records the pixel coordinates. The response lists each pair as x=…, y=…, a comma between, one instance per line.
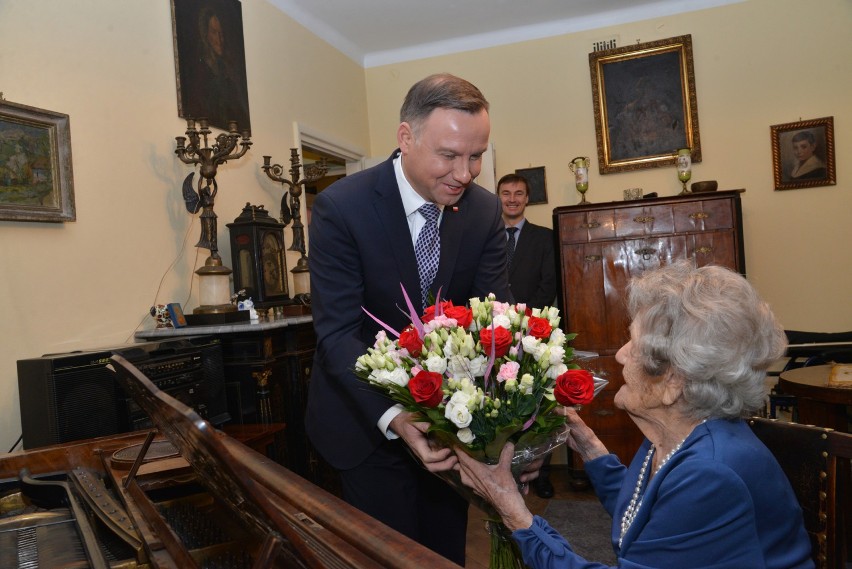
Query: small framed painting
x=36, y=179
x=803, y=154
x=537, y=183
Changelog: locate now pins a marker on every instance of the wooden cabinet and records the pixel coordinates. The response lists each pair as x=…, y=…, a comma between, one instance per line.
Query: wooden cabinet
x=601, y=246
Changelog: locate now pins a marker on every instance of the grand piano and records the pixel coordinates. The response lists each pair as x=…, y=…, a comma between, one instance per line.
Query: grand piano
x=183, y=495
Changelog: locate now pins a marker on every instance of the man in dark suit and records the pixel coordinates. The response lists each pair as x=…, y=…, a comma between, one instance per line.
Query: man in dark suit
x=532, y=268
x=363, y=233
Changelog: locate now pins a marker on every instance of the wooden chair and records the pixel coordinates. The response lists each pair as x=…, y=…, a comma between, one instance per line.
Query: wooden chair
x=816, y=460
x=840, y=447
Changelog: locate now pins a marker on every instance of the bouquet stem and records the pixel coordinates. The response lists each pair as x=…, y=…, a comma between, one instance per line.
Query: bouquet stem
x=504, y=551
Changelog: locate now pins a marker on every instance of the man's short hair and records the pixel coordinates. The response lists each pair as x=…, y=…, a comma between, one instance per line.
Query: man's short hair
x=514, y=179
x=804, y=135
x=440, y=91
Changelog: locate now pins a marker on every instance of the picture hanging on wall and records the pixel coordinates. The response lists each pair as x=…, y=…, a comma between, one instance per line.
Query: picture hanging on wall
x=537, y=183
x=645, y=104
x=36, y=178
x=803, y=154
x=210, y=62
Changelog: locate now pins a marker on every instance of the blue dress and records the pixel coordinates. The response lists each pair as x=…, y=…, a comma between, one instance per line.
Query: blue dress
x=722, y=501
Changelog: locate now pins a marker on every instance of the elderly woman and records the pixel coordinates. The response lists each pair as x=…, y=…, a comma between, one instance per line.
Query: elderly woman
x=702, y=491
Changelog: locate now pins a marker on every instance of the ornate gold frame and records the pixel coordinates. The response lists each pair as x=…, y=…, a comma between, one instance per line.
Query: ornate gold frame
x=645, y=104
x=782, y=156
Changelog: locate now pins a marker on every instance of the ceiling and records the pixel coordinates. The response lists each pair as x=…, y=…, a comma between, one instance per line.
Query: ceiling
x=380, y=32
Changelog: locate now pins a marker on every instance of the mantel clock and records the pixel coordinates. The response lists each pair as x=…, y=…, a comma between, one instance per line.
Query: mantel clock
x=258, y=257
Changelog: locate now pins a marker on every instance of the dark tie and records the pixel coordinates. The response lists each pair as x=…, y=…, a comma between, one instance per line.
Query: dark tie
x=510, y=245
x=428, y=248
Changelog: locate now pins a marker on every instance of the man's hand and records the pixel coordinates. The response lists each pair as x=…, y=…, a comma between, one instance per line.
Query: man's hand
x=434, y=459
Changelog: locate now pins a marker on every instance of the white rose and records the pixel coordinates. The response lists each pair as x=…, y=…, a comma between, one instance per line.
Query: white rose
x=457, y=410
x=477, y=366
x=557, y=337
x=557, y=354
x=435, y=363
x=465, y=435
x=398, y=376
x=555, y=371
x=533, y=346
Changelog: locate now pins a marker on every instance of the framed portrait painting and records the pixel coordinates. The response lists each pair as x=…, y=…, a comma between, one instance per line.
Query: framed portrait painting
x=537, y=183
x=36, y=178
x=210, y=62
x=803, y=154
x=645, y=104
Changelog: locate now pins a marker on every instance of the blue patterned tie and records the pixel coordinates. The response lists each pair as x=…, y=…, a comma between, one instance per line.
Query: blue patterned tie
x=428, y=248
x=510, y=245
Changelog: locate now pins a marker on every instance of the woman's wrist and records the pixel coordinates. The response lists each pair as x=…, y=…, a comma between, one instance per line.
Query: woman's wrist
x=520, y=520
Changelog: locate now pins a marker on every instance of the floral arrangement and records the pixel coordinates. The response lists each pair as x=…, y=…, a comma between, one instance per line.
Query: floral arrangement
x=481, y=375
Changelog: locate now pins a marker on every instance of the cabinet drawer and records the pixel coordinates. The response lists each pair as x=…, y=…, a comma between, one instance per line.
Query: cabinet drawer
x=703, y=215
x=647, y=220
x=584, y=226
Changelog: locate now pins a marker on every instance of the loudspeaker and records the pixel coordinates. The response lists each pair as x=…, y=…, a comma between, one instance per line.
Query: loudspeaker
x=67, y=397
x=72, y=396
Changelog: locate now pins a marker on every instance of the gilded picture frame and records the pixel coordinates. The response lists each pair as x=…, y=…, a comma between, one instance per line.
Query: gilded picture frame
x=537, y=183
x=645, y=104
x=210, y=62
x=803, y=154
x=36, y=176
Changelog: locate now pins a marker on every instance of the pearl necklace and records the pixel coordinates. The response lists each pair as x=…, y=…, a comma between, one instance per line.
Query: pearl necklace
x=636, y=500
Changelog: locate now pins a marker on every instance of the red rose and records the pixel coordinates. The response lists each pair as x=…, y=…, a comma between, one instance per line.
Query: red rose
x=574, y=387
x=409, y=340
x=425, y=387
x=502, y=341
x=538, y=327
x=460, y=314
x=429, y=313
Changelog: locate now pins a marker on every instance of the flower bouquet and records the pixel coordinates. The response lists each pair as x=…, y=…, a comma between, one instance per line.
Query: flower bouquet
x=483, y=375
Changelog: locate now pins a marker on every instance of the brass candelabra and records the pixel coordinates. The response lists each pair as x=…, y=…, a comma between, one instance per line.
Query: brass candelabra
x=214, y=287
x=209, y=158
x=292, y=210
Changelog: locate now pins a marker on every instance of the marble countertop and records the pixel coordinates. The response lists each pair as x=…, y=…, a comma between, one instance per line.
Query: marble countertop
x=222, y=328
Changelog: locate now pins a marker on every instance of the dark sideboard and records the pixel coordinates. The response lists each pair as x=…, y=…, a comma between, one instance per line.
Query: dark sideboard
x=601, y=246
x=267, y=371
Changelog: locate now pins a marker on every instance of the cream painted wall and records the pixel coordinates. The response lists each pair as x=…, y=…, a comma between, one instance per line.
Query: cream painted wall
x=110, y=66
x=757, y=63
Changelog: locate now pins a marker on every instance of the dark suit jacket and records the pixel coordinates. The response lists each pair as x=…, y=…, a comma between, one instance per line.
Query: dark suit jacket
x=360, y=254
x=532, y=276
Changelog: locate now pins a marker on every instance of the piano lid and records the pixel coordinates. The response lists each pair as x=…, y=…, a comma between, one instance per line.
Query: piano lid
x=201, y=446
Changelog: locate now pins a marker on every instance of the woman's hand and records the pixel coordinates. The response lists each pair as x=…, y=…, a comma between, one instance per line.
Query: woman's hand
x=581, y=438
x=497, y=485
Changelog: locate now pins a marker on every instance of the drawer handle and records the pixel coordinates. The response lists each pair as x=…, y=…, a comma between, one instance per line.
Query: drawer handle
x=644, y=219
x=590, y=225
x=704, y=250
x=699, y=215
x=646, y=252
x=592, y=258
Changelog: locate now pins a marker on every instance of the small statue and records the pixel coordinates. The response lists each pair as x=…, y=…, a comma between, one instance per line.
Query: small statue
x=160, y=313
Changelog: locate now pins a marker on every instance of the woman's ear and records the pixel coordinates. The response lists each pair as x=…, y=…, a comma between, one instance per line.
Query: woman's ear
x=672, y=388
